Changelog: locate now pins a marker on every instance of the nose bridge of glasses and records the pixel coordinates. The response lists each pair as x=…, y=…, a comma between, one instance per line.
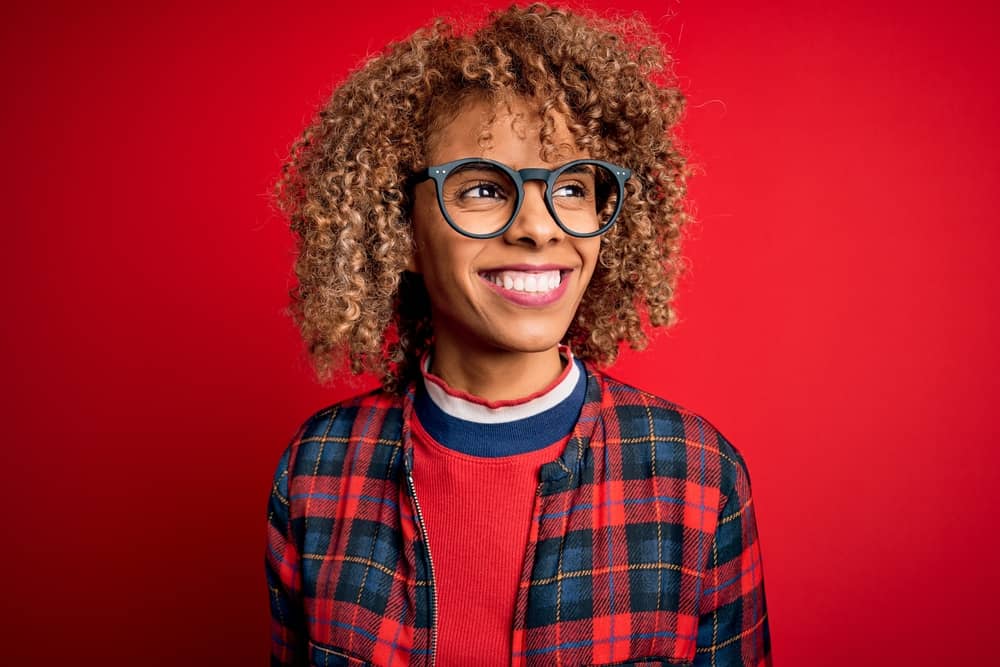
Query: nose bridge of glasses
x=534, y=174
x=532, y=211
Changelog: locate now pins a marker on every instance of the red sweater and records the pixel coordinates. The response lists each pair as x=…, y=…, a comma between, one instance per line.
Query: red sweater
x=477, y=510
x=476, y=478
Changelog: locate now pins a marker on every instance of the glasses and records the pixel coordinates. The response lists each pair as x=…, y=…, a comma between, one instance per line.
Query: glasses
x=481, y=198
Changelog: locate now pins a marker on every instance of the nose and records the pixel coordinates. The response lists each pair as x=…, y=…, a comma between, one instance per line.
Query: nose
x=534, y=225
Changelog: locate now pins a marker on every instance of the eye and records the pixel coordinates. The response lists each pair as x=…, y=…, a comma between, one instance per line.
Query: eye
x=569, y=190
x=483, y=190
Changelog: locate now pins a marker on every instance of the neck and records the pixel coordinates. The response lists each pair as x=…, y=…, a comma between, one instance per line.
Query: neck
x=496, y=376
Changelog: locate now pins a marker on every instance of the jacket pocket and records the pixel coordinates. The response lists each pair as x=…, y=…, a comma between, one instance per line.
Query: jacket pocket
x=647, y=662
x=321, y=655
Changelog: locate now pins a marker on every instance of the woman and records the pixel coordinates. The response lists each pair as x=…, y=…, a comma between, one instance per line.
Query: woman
x=482, y=217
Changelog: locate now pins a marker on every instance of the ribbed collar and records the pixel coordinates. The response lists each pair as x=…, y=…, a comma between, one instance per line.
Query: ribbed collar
x=476, y=427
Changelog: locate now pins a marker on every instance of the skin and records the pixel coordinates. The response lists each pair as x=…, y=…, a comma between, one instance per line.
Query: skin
x=485, y=344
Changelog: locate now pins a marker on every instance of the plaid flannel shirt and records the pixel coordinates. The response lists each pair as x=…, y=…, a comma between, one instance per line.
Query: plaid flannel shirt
x=643, y=547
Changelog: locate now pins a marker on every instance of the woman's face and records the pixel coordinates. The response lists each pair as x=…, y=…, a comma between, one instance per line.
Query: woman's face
x=542, y=271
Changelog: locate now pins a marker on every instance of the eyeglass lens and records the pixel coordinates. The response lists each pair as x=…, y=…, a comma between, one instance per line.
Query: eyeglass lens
x=481, y=198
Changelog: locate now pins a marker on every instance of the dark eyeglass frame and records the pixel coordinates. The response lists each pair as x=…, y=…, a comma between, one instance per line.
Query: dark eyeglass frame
x=519, y=177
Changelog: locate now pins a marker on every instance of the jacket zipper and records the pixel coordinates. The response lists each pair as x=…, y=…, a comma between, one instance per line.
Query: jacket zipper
x=427, y=545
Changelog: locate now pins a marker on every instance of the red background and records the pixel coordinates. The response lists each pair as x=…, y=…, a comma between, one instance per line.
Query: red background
x=838, y=322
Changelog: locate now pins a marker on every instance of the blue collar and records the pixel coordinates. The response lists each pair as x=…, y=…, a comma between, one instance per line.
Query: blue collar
x=506, y=438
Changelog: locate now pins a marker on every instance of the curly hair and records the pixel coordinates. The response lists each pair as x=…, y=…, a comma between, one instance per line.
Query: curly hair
x=344, y=187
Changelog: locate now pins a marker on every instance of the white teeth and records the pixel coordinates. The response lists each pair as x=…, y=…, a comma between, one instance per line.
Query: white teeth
x=525, y=281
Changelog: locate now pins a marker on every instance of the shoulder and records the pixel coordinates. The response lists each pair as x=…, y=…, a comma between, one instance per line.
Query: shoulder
x=679, y=438
x=321, y=442
x=335, y=421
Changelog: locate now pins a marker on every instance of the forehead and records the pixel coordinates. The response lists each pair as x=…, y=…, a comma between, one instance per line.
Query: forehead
x=511, y=131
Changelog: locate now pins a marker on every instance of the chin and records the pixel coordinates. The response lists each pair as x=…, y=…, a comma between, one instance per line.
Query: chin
x=531, y=344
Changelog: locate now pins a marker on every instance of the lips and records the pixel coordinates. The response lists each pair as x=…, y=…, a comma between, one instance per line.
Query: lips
x=529, y=286
x=528, y=282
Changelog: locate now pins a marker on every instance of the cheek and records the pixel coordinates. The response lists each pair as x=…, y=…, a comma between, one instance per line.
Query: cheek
x=442, y=256
x=591, y=253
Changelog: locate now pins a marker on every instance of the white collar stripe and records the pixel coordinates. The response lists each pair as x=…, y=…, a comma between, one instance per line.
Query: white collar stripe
x=461, y=408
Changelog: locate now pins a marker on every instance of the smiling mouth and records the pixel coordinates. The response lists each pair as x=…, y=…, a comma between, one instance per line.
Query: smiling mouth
x=526, y=282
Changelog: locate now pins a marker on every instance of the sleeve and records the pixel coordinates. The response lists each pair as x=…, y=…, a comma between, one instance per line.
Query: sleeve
x=284, y=575
x=733, y=626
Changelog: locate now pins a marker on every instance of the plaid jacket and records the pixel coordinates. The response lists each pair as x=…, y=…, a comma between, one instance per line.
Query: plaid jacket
x=643, y=547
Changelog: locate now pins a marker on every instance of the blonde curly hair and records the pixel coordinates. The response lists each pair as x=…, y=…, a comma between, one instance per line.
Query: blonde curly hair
x=344, y=187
